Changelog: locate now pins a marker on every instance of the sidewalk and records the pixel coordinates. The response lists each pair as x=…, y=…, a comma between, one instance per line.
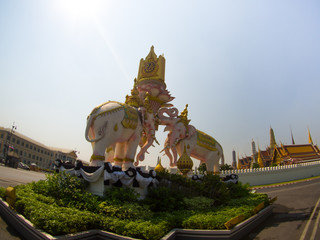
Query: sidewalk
x=8, y=232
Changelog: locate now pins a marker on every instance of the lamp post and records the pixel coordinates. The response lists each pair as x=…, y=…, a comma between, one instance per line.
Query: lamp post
x=7, y=143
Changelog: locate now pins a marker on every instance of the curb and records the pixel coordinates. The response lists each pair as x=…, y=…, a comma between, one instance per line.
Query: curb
x=280, y=185
x=29, y=232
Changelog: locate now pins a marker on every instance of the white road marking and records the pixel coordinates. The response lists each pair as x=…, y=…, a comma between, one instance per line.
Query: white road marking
x=315, y=227
x=304, y=233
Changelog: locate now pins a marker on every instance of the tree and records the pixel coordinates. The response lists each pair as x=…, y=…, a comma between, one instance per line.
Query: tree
x=226, y=167
x=202, y=168
x=255, y=165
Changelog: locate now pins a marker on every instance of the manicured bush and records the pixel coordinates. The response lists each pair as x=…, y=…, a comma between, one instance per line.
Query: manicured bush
x=2, y=192
x=199, y=203
x=69, y=191
x=61, y=205
x=125, y=211
x=121, y=194
x=238, y=190
x=163, y=198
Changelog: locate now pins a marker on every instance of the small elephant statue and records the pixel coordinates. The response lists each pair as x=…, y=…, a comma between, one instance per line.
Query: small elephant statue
x=198, y=144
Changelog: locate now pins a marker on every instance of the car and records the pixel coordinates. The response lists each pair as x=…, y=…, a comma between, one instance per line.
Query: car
x=23, y=166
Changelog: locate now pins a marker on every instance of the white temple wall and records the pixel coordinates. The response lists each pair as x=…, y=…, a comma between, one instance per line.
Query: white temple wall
x=269, y=175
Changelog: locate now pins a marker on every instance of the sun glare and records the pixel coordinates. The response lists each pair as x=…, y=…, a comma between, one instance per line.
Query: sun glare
x=76, y=9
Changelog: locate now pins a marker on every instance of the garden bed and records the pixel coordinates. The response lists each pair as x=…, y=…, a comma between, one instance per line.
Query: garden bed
x=61, y=205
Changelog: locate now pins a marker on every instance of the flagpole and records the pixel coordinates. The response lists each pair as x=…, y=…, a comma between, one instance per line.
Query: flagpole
x=8, y=142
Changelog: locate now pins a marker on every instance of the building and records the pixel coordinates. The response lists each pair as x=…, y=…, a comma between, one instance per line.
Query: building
x=244, y=162
x=31, y=151
x=284, y=154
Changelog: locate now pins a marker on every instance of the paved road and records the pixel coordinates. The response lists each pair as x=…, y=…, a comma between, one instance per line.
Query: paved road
x=13, y=177
x=296, y=213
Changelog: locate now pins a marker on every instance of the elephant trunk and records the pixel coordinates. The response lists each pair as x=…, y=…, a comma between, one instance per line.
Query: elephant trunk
x=88, y=128
x=171, y=112
x=144, y=148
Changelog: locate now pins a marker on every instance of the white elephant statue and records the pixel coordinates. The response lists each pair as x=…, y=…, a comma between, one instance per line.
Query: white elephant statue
x=117, y=128
x=198, y=144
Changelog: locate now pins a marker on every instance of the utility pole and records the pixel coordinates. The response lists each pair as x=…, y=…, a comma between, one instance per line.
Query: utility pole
x=7, y=143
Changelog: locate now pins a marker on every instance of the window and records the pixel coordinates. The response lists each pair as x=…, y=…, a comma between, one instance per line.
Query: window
x=18, y=142
x=37, y=158
x=21, y=153
x=27, y=145
x=13, y=140
x=1, y=135
x=22, y=144
x=33, y=156
x=29, y=155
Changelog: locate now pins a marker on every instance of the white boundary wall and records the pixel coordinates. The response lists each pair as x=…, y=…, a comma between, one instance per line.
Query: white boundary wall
x=269, y=175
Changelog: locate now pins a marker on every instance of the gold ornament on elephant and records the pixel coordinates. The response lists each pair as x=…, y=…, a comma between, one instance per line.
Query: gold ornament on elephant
x=184, y=163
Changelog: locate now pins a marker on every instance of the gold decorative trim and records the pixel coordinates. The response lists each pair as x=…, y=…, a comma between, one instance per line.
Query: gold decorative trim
x=97, y=157
x=131, y=116
x=128, y=160
x=117, y=159
x=206, y=141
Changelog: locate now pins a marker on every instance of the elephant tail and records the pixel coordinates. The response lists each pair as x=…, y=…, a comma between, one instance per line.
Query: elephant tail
x=89, y=124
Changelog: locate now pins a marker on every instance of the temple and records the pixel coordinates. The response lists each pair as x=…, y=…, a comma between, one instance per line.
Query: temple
x=282, y=154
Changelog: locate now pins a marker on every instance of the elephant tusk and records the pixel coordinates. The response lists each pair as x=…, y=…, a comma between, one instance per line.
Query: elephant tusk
x=156, y=141
x=164, y=149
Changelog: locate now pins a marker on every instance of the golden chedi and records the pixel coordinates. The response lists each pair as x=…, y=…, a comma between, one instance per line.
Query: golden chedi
x=184, y=163
x=159, y=167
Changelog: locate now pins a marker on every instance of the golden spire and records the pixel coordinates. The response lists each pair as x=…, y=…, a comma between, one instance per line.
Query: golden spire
x=310, y=139
x=184, y=117
x=273, y=143
x=152, y=68
x=159, y=167
x=134, y=99
x=292, y=137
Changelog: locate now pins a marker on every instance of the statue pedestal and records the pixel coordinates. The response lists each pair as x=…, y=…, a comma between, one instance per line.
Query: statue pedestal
x=98, y=187
x=107, y=176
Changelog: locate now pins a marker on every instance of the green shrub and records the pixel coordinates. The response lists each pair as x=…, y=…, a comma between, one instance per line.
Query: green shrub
x=163, y=199
x=121, y=194
x=238, y=190
x=2, y=193
x=72, y=209
x=199, y=203
x=125, y=211
x=69, y=191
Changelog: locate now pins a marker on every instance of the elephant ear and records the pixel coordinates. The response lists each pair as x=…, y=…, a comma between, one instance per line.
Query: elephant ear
x=192, y=130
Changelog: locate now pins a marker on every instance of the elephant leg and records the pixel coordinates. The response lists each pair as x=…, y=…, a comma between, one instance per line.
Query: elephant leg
x=98, y=156
x=119, y=154
x=109, y=154
x=131, y=146
x=212, y=163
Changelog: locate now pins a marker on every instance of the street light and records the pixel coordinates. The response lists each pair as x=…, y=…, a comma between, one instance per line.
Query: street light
x=7, y=143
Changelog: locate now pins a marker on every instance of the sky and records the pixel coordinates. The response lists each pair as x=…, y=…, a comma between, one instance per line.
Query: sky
x=242, y=66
